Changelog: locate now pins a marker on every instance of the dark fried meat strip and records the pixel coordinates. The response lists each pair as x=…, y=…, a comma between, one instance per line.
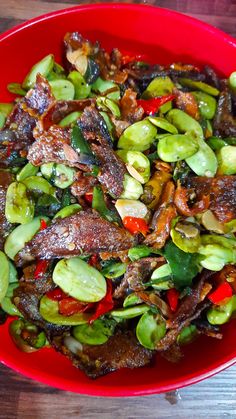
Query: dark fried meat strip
x=224, y=122
x=54, y=146
x=222, y=190
x=112, y=167
x=38, y=99
x=82, y=184
x=6, y=179
x=137, y=273
x=120, y=351
x=84, y=232
x=130, y=111
x=187, y=103
x=211, y=76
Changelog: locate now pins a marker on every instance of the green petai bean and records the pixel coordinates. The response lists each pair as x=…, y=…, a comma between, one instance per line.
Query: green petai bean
x=82, y=89
x=227, y=160
x=206, y=104
x=150, y=330
x=139, y=136
x=222, y=314
x=44, y=67
x=199, y=85
x=19, y=207
x=163, y=124
x=4, y=275
x=160, y=86
x=177, y=147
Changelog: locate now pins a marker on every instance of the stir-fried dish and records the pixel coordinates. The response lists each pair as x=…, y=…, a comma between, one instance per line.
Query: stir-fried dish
x=117, y=207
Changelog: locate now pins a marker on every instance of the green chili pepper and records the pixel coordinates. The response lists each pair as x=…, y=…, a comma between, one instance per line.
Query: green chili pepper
x=227, y=160
x=49, y=312
x=206, y=104
x=99, y=205
x=82, y=89
x=16, y=89
x=139, y=136
x=160, y=86
x=19, y=208
x=216, y=143
x=21, y=235
x=79, y=143
x=95, y=334
x=44, y=67
x=4, y=275
x=67, y=211
x=199, y=85
x=221, y=314
x=142, y=251
x=150, y=330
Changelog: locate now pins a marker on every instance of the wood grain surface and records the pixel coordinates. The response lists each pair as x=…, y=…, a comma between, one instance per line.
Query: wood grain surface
x=22, y=398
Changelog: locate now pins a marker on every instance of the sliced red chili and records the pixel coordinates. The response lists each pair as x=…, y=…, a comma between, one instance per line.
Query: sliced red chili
x=173, y=298
x=135, y=225
x=105, y=305
x=43, y=224
x=221, y=293
x=57, y=294
x=93, y=260
x=151, y=106
x=89, y=197
x=69, y=306
x=41, y=268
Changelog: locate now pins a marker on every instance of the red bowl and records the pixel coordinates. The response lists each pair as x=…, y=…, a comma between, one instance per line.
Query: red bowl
x=165, y=36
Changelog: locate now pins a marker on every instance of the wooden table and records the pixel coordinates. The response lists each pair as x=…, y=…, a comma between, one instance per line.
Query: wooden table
x=214, y=398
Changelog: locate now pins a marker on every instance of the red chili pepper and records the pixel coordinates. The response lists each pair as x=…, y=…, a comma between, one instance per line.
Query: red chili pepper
x=69, y=306
x=135, y=225
x=126, y=59
x=56, y=294
x=173, y=298
x=105, y=305
x=43, y=224
x=221, y=293
x=9, y=148
x=93, y=260
x=41, y=268
x=89, y=197
x=151, y=106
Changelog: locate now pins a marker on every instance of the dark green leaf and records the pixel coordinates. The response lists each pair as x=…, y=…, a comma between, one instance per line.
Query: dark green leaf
x=66, y=198
x=92, y=72
x=184, y=266
x=100, y=205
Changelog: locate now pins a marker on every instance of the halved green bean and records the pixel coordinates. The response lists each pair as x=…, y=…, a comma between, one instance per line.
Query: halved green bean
x=184, y=123
x=43, y=67
x=16, y=89
x=162, y=123
x=62, y=89
x=19, y=207
x=39, y=184
x=63, y=176
x=6, y=108
x=137, y=160
x=4, y=275
x=21, y=235
x=68, y=210
x=96, y=333
x=69, y=119
x=13, y=275
x=27, y=171
x=130, y=312
x=2, y=120
x=139, y=136
x=132, y=188
x=199, y=85
x=227, y=160
x=150, y=330
x=222, y=314
x=10, y=308
x=114, y=270
x=82, y=89
x=101, y=86
x=206, y=104
x=204, y=162
x=131, y=300
x=106, y=104
x=177, y=147
x=158, y=87
x=187, y=334
x=80, y=280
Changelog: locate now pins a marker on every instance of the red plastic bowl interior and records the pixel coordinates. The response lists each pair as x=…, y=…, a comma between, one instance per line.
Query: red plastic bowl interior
x=165, y=36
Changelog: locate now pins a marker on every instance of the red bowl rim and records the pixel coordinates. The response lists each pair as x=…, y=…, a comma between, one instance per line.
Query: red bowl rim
x=91, y=388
